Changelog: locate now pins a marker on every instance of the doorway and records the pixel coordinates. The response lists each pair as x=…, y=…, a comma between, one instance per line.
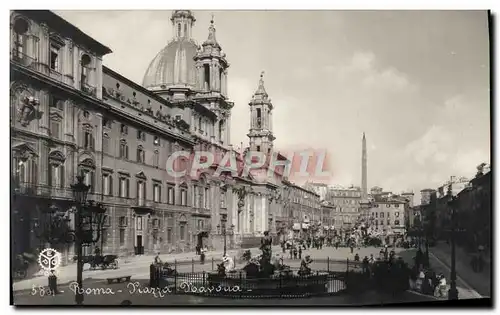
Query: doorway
x=139, y=249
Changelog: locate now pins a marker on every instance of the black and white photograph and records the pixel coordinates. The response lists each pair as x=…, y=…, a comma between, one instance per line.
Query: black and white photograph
x=214, y=157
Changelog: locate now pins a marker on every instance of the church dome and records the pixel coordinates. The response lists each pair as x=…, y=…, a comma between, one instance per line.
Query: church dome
x=173, y=65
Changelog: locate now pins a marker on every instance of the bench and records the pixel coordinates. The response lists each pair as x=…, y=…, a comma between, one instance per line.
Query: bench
x=119, y=279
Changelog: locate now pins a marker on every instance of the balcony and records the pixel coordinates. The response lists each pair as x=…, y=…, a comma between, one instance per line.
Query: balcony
x=88, y=89
x=202, y=211
x=22, y=59
x=55, y=75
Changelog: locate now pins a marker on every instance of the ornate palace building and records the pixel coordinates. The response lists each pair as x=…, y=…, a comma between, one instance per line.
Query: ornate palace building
x=70, y=114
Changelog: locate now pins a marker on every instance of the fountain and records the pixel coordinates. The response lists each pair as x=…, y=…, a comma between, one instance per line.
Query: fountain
x=265, y=275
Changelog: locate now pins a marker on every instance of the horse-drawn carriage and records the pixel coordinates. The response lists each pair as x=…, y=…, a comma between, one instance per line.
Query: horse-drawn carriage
x=104, y=262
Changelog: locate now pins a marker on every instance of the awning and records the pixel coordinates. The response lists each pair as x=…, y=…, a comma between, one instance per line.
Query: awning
x=332, y=227
x=305, y=226
x=326, y=227
x=296, y=226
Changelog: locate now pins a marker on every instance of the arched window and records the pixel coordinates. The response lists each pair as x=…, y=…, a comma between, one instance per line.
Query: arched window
x=84, y=69
x=185, y=30
x=179, y=30
x=21, y=27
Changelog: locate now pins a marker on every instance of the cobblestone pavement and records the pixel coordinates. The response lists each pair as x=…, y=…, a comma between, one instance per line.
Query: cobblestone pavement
x=117, y=293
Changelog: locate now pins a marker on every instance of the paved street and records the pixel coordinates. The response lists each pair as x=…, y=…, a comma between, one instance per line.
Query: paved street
x=326, y=259
x=139, y=267
x=481, y=282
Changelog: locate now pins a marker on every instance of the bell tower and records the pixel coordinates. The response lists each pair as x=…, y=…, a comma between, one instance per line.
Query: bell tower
x=261, y=120
x=211, y=65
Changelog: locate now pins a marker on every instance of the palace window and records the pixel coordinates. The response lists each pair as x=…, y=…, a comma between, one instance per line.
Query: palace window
x=123, y=149
x=56, y=173
x=381, y=214
x=396, y=222
x=107, y=184
x=107, y=123
x=156, y=140
x=123, y=129
x=141, y=135
x=89, y=178
x=184, y=196
x=156, y=159
x=84, y=69
x=140, y=154
x=88, y=139
x=171, y=195
x=156, y=192
x=54, y=57
x=141, y=191
x=21, y=27
x=124, y=187
x=105, y=143
x=55, y=102
x=55, y=131
x=396, y=214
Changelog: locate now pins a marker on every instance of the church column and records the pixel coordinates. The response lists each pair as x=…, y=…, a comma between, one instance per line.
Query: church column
x=76, y=67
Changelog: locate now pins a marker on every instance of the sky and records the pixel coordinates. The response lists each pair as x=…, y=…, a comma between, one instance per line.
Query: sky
x=416, y=82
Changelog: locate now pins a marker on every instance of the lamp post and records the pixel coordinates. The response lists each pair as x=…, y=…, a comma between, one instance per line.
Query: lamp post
x=453, y=292
x=222, y=226
x=87, y=214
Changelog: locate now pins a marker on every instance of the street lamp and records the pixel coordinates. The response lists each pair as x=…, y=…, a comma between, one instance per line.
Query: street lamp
x=222, y=227
x=453, y=292
x=88, y=216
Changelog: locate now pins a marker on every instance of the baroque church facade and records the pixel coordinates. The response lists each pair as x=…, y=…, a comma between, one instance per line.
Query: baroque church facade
x=72, y=115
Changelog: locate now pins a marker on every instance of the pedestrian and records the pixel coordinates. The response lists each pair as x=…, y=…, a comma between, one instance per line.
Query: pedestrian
x=337, y=245
x=295, y=253
x=97, y=251
x=300, y=252
x=356, y=257
x=291, y=252
x=202, y=256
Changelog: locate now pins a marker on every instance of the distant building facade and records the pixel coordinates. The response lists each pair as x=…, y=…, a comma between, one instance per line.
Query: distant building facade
x=346, y=202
